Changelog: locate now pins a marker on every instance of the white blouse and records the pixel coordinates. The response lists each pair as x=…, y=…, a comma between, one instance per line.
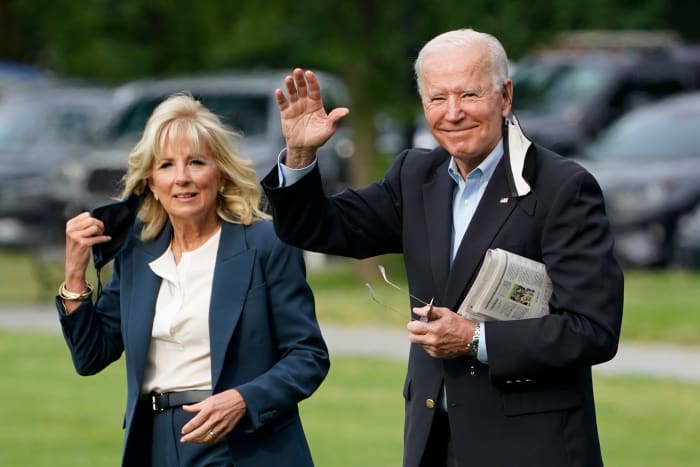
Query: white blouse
x=179, y=354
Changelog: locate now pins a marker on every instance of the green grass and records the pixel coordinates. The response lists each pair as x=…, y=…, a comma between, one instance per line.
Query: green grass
x=53, y=417
x=662, y=306
x=648, y=422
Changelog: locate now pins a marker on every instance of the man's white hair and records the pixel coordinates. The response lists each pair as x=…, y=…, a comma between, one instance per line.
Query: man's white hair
x=464, y=39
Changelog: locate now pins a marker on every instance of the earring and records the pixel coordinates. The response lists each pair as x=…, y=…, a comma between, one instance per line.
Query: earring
x=155, y=195
x=221, y=190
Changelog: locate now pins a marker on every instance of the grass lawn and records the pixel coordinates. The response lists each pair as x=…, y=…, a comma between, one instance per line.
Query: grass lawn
x=56, y=418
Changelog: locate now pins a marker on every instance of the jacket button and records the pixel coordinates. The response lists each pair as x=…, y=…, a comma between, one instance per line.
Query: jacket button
x=429, y=403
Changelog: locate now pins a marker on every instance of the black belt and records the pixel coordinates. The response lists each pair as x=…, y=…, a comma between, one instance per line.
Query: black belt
x=160, y=402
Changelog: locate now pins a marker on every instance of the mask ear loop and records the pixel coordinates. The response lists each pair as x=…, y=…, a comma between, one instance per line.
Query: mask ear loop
x=99, y=284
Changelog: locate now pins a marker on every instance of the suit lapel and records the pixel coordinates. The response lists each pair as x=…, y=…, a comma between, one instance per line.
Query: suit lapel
x=437, y=199
x=232, y=276
x=493, y=210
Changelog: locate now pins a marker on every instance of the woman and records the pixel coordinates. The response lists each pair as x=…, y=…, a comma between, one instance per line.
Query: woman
x=212, y=311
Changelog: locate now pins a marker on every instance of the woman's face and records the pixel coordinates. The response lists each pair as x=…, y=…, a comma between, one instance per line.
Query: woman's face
x=186, y=181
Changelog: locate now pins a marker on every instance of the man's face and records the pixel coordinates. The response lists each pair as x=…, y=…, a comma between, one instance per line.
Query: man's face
x=463, y=109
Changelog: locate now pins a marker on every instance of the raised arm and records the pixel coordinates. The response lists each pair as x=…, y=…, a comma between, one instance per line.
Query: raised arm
x=305, y=124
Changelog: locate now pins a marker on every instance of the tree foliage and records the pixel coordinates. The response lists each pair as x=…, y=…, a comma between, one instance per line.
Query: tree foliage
x=371, y=44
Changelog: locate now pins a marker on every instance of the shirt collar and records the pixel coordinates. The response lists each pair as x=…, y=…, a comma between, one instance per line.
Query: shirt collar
x=515, y=147
x=486, y=168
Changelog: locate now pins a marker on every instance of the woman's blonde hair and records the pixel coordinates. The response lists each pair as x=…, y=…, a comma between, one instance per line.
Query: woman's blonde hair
x=180, y=115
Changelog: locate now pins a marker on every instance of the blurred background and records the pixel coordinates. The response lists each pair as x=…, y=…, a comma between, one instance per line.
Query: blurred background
x=79, y=79
x=614, y=84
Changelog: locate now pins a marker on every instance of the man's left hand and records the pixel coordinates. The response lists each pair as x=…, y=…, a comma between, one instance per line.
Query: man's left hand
x=446, y=335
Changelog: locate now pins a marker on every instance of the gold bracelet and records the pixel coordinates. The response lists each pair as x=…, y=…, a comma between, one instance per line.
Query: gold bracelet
x=66, y=294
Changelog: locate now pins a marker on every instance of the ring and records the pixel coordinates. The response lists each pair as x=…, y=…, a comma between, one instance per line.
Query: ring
x=211, y=433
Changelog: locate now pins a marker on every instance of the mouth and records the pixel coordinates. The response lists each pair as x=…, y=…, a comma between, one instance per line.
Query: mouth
x=456, y=131
x=188, y=195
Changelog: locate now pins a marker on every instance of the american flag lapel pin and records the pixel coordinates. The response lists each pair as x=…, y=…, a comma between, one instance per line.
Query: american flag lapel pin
x=503, y=200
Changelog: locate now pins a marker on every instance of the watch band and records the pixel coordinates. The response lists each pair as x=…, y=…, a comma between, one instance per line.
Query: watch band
x=474, y=344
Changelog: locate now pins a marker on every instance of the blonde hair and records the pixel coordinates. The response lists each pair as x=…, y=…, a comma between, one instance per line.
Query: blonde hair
x=182, y=116
x=465, y=39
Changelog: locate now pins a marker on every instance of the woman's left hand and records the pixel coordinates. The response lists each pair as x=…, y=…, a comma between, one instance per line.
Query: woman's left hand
x=215, y=417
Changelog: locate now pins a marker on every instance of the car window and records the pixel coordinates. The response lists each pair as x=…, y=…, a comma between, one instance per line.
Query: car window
x=27, y=122
x=572, y=88
x=533, y=80
x=245, y=113
x=650, y=133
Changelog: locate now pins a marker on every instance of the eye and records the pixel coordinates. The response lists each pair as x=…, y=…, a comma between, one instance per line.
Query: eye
x=164, y=164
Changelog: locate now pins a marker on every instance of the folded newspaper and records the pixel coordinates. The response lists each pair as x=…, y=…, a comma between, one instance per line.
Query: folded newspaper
x=507, y=287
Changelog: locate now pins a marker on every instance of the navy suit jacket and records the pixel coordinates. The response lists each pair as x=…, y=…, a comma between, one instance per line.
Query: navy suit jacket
x=265, y=340
x=532, y=405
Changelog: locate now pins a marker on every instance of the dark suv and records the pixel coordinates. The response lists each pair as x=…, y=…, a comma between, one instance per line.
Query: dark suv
x=566, y=95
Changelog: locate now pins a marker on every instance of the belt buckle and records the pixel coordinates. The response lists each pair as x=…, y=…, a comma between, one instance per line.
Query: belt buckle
x=154, y=403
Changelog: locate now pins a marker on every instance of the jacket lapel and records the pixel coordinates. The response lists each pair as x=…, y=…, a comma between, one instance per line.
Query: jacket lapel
x=437, y=198
x=489, y=217
x=232, y=276
x=142, y=303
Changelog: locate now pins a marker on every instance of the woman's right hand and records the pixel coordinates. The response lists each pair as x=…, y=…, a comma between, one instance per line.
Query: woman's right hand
x=82, y=232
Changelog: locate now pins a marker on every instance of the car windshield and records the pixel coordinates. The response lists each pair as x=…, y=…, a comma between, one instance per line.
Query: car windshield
x=243, y=112
x=670, y=131
x=552, y=88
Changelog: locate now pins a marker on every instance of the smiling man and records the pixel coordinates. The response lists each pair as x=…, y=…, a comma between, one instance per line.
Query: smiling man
x=477, y=393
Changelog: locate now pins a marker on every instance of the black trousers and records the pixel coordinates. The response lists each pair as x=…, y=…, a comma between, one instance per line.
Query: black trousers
x=164, y=431
x=438, y=451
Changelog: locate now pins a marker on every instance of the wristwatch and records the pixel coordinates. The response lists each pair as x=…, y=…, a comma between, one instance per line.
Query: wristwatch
x=474, y=344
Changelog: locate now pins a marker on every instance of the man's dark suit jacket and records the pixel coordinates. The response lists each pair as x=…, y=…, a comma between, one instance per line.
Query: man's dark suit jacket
x=532, y=405
x=265, y=341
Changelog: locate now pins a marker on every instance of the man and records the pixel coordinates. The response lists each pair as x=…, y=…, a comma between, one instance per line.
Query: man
x=499, y=393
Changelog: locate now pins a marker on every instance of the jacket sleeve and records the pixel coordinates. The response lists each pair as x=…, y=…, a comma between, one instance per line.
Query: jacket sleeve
x=583, y=327
x=355, y=223
x=302, y=362
x=93, y=331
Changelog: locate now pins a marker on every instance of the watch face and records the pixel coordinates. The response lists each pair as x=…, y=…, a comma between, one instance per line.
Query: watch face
x=474, y=346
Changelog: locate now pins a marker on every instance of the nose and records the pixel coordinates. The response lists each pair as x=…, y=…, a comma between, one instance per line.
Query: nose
x=454, y=110
x=182, y=176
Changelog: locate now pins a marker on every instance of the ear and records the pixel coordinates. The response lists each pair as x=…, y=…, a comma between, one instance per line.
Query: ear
x=149, y=185
x=507, y=95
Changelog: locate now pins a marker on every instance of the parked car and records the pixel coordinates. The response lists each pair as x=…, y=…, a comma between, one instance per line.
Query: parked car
x=648, y=166
x=14, y=75
x=39, y=129
x=245, y=101
x=565, y=96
